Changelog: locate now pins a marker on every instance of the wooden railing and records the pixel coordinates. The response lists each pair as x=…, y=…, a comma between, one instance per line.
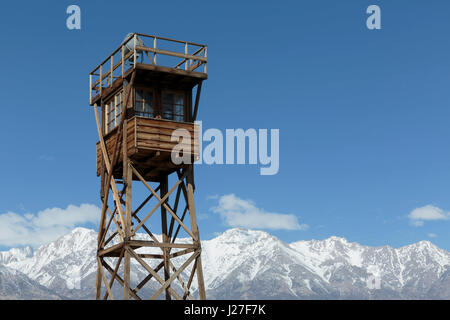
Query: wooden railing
x=147, y=49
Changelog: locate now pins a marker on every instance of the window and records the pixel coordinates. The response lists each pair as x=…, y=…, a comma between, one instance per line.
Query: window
x=113, y=112
x=143, y=103
x=173, y=106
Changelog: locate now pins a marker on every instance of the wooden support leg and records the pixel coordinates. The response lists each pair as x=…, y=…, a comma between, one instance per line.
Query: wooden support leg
x=194, y=227
x=163, y=191
x=128, y=183
x=98, y=286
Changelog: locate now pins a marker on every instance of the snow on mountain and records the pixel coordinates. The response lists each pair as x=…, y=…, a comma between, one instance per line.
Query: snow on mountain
x=249, y=264
x=16, y=285
x=62, y=265
x=15, y=254
x=255, y=265
x=407, y=272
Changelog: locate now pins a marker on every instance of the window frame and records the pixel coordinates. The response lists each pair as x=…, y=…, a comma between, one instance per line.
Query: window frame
x=153, y=105
x=176, y=92
x=112, y=114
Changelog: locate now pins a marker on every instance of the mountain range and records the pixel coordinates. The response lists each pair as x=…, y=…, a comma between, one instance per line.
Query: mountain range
x=243, y=264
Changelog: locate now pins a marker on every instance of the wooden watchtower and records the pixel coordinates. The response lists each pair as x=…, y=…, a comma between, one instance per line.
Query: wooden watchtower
x=147, y=88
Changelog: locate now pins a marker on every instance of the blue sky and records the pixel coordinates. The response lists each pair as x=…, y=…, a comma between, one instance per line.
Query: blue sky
x=363, y=114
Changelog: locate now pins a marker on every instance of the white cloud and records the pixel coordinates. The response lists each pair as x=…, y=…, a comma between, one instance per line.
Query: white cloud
x=432, y=235
x=44, y=226
x=236, y=212
x=428, y=213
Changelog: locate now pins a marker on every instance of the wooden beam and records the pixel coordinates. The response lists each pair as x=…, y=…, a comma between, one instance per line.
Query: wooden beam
x=159, y=68
x=172, y=53
x=135, y=212
x=162, y=202
x=119, y=229
x=113, y=276
x=183, y=285
x=105, y=280
x=98, y=283
x=120, y=280
x=190, y=194
x=182, y=252
x=164, y=191
x=128, y=183
x=167, y=283
x=179, y=226
x=110, y=249
x=175, y=209
x=191, y=277
x=197, y=99
x=143, y=243
x=147, y=278
x=151, y=271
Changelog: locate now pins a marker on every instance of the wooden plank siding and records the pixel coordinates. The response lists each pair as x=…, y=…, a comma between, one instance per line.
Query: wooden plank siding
x=149, y=137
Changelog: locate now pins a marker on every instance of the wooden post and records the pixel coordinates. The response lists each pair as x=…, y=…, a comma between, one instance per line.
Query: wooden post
x=154, y=47
x=163, y=191
x=123, y=61
x=194, y=227
x=112, y=68
x=103, y=166
x=134, y=53
x=197, y=99
x=205, y=61
x=101, y=79
x=127, y=179
x=90, y=88
x=98, y=285
x=186, y=52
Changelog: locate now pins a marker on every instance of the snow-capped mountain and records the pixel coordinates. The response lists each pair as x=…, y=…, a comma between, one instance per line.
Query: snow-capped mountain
x=249, y=264
x=256, y=265
x=14, y=255
x=16, y=285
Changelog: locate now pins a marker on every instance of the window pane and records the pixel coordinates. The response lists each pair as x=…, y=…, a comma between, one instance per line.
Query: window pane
x=144, y=103
x=148, y=109
x=139, y=94
x=173, y=106
x=168, y=98
x=148, y=96
x=168, y=113
x=178, y=99
x=178, y=109
x=118, y=109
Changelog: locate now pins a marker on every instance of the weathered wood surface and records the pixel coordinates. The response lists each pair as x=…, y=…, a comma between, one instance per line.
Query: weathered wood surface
x=145, y=135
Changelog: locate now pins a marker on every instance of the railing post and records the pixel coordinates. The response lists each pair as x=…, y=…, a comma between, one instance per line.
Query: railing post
x=154, y=47
x=101, y=79
x=186, y=52
x=206, y=61
x=123, y=62
x=112, y=71
x=134, y=53
x=90, y=88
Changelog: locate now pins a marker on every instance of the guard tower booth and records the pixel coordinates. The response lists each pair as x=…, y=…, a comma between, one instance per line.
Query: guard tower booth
x=145, y=89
